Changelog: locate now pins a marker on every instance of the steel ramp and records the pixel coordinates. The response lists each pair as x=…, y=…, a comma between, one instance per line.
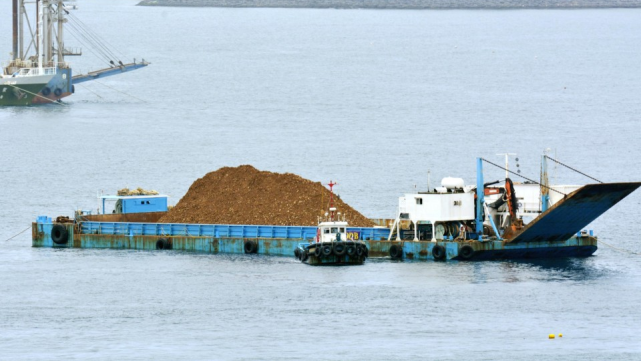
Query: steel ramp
x=574, y=212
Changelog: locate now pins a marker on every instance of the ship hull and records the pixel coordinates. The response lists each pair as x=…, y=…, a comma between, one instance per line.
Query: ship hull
x=33, y=90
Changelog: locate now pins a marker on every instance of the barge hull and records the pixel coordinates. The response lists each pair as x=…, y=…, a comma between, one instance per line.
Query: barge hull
x=576, y=246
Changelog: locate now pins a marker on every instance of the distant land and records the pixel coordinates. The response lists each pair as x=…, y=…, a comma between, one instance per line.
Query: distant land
x=402, y=4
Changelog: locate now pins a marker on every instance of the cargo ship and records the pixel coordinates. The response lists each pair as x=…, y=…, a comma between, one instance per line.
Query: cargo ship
x=482, y=221
x=38, y=72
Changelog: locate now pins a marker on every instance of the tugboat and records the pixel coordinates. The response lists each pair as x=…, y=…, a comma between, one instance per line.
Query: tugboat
x=331, y=247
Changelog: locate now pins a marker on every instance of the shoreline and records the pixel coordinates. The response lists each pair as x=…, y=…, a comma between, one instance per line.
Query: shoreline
x=402, y=5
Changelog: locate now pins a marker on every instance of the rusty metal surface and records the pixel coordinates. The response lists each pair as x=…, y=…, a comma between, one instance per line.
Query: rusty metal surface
x=575, y=212
x=419, y=251
x=127, y=217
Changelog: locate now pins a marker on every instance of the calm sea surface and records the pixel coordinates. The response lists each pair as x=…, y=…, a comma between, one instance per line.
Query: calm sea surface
x=371, y=99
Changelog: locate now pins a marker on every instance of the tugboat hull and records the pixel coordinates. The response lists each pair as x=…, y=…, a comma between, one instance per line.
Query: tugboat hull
x=333, y=253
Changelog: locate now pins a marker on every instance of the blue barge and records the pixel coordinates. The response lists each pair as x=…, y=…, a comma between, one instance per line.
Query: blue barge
x=456, y=222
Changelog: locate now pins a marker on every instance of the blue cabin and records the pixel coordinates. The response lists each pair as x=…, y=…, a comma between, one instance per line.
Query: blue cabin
x=135, y=204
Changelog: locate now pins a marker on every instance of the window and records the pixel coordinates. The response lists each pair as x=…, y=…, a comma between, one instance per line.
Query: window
x=419, y=201
x=342, y=230
x=326, y=230
x=334, y=230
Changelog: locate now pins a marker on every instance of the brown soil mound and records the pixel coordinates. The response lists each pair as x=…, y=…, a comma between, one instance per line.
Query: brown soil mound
x=245, y=195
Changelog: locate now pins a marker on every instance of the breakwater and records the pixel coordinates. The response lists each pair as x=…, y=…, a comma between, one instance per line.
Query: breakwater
x=402, y=4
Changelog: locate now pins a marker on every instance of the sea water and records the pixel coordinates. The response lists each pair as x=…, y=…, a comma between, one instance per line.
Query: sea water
x=373, y=100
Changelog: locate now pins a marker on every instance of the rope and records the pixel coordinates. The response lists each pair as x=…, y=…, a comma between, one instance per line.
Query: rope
x=119, y=91
x=18, y=234
x=620, y=249
x=567, y=166
x=87, y=88
x=39, y=96
x=518, y=175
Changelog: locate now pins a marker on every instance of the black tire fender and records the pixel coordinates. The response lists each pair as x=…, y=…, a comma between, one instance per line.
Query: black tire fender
x=59, y=234
x=317, y=251
x=46, y=91
x=163, y=243
x=327, y=249
x=438, y=252
x=396, y=251
x=57, y=92
x=251, y=247
x=351, y=250
x=340, y=248
x=304, y=255
x=466, y=252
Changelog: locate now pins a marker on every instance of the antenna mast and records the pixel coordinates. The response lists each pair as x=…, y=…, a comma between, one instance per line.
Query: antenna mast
x=332, y=209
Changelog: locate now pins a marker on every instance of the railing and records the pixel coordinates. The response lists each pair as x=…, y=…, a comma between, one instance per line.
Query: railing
x=36, y=71
x=222, y=231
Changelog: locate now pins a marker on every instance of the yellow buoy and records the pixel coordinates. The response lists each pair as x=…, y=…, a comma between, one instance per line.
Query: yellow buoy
x=551, y=336
x=560, y=335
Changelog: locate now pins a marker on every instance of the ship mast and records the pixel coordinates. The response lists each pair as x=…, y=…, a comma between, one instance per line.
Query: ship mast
x=15, y=30
x=61, y=47
x=332, y=209
x=41, y=35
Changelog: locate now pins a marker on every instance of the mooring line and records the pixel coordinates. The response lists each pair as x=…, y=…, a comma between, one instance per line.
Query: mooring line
x=17, y=234
x=119, y=91
x=570, y=168
x=87, y=88
x=620, y=249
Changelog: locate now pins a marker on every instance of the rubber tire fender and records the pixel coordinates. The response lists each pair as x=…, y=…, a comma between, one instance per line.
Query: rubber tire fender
x=466, y=252
x=59, y=234
x=297, y=253
x=396, y=251
x=351, y=250
x=163, y=243
x=250, y=247
x=359, y=250
x=57, y=92
x=46, y=91
x=340, y=248
x=327, y=249
x=317, y=251
x=304, y=255
x=438, y=252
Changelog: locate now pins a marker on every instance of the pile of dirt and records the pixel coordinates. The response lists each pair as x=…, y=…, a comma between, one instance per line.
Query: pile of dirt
x=245, y=195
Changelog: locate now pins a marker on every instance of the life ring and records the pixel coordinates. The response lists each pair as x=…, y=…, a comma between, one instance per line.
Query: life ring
x=59, y=234
x=340, y=248
x=466, y=252
x=438, y=252
x=46, y=91
x=327, y=249
x=251, y=247
x=317, y=251
x=163, y=243
x=396, y=251
x=57, y=92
